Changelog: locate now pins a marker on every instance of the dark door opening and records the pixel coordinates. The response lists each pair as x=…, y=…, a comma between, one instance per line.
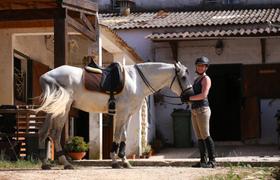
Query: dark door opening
x=225, y=102
x=81, y=126
x=107, y=135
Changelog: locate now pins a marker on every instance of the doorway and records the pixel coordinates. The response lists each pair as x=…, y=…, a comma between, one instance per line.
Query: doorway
x=225, y=101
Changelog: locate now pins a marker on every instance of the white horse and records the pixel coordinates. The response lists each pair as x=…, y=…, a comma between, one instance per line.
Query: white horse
x=63, y=87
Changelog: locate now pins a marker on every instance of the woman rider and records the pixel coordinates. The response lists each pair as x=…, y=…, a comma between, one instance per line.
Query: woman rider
x=201, y=114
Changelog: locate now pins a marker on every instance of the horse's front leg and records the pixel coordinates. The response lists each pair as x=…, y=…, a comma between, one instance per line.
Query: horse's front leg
x=113, y=155
x=121, y=154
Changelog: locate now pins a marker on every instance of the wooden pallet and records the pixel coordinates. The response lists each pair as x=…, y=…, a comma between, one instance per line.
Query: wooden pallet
x=26, y=130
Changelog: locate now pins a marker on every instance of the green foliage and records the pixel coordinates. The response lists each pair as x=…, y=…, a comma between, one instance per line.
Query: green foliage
x=76, y=144
x=246, y=172
x=20, y=164
x=147, y=149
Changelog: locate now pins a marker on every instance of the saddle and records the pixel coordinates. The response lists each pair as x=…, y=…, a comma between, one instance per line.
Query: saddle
x=109, y=80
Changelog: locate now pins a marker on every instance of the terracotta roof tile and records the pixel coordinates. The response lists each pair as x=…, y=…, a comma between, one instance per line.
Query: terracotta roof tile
x=191, y=18
x=214, y=33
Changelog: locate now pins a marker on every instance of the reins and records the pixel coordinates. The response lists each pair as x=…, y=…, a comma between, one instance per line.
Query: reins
x=154, y=91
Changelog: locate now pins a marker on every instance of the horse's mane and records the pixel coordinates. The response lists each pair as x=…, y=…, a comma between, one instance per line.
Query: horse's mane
x=155, y=64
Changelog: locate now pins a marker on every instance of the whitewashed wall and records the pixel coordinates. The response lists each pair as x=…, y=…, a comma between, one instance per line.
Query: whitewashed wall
x=163, y=4
x=34, y=47
x=244, y=51
x=268, y=109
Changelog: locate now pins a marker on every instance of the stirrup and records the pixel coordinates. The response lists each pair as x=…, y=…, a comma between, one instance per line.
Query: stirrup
x=112, y=105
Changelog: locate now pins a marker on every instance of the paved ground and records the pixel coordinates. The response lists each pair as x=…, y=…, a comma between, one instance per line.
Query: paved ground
x=169, y=164
x=106, y=173
x=222, y=151
x=257, y=156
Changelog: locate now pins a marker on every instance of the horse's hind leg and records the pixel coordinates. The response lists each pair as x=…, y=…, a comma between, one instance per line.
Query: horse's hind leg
x=43, y=135
x=56, y=136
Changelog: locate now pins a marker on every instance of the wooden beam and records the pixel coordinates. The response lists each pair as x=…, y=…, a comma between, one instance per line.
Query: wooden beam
x=82, y=29
x=26, y=24
x=27, y=4
x=60, y=41
x=87, y=22
x=85, y=5
x=29, y=14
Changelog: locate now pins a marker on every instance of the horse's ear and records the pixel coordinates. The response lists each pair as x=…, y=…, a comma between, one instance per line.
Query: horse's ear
x=178, y=65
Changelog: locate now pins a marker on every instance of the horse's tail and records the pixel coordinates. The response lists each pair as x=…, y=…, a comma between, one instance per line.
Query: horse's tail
x=54, y=98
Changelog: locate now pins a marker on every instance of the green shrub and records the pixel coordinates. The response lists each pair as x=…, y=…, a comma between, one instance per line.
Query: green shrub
x=76, y=144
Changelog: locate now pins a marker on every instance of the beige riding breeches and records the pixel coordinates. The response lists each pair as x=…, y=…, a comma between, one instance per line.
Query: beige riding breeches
x=200, y=122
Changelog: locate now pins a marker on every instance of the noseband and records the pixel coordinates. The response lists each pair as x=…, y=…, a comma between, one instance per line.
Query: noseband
x=180, y=84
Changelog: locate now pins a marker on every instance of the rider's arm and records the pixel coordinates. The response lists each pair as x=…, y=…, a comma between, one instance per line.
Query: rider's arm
x=206, y=84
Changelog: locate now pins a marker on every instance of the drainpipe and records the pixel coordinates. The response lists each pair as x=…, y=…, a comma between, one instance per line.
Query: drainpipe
x=125, y=6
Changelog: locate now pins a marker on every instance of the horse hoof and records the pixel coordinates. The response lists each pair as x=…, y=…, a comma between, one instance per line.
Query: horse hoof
x=46, y=167
x=127, y=165
x=68, y=167
x=116, y=166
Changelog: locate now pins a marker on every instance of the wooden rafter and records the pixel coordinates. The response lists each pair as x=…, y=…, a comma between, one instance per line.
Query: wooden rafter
x=81, y=5
x=87, y=22
x=81, y=28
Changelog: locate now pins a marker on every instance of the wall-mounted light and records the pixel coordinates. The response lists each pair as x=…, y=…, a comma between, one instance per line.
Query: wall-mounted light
x=219, y=47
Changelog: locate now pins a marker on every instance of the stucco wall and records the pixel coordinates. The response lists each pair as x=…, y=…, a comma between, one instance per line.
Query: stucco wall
x=136, y=39
x=244, y=51
x=35, y=47
x=180, y=4
x=9, y=42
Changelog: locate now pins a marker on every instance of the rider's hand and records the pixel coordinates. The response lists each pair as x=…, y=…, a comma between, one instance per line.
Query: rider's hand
x=185, y=98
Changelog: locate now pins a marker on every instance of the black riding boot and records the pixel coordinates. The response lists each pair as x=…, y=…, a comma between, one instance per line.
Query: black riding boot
x=211, y=152
x=203, y=155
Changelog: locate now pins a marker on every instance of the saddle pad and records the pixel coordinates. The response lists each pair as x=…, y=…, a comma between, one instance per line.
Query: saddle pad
x=92, y=81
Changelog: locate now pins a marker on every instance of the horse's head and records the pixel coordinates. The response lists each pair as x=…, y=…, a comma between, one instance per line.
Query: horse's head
x=181, y=83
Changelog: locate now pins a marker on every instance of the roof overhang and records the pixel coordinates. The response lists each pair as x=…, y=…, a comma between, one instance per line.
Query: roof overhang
x=217, y=33
x=115, y=44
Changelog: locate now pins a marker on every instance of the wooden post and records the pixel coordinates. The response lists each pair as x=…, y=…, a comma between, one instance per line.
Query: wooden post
x=60, y=39
x=61, y=52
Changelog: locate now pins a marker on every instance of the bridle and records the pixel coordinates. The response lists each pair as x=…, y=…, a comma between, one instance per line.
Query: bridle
x=172, y=82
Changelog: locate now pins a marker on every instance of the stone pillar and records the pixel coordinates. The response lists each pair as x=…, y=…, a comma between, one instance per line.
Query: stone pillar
x=6, y=68
x=95, y=135
x=96, y=122
x=119, y=57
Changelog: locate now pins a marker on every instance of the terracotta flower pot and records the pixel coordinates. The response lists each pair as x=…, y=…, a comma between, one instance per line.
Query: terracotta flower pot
x=77, y=155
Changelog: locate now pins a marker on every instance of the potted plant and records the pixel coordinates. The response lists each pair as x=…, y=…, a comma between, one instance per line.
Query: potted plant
x=147, y=151
x=76, y=147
